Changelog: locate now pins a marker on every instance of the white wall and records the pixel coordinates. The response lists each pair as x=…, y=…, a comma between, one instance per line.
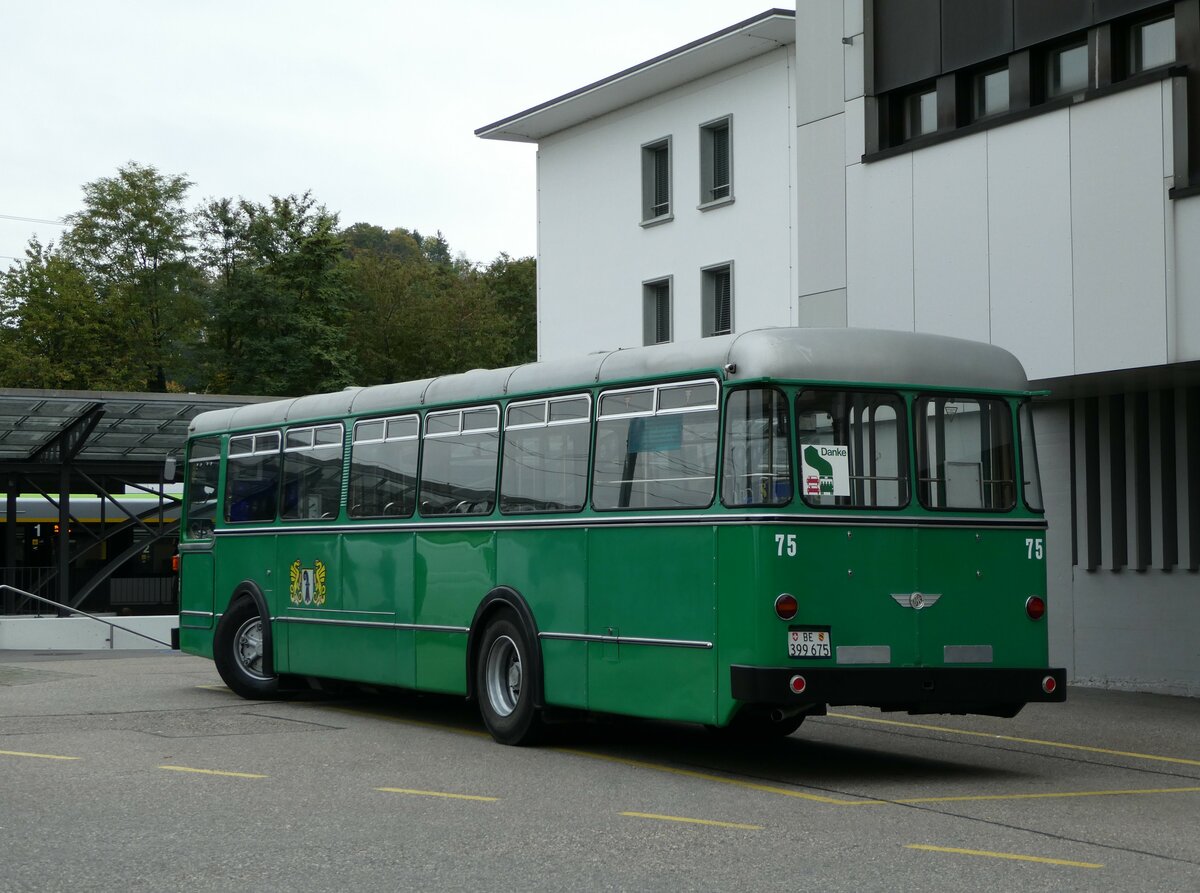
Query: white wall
x=593, y=255
x=1052, y=237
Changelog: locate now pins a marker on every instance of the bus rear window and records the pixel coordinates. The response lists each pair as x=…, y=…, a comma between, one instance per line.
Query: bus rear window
x=965, y=453
x=852, y=448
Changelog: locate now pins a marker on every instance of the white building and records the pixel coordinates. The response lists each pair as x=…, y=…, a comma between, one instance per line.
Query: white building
x=1012, y=171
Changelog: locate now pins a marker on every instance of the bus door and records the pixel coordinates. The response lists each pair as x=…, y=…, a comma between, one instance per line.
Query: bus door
x=196, y=541
x=651, y=557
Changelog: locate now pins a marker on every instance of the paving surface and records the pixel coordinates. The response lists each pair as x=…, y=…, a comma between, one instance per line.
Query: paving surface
x=141, y=772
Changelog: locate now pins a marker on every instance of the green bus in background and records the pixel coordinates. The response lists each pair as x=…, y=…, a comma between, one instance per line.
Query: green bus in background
x=739, y=532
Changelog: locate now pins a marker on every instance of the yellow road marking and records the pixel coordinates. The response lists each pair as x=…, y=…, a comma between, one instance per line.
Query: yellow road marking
x=1060, y=744
x=39, y=756
x=1043, y=796
x=675, y=818
x=691, y=773
x=438, y=794
x=990, y=855
x=213, y=772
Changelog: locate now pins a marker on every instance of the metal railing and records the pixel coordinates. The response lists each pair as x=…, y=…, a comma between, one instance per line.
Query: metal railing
x=111, y=626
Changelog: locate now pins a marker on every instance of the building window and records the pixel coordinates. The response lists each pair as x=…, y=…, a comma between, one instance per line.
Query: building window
x=656, y=311
x=990, y=93
x=920, y=113
x=1152, y=44
x=1067, y=70
x=717, y=294
x=656, y=181
x=716, y=161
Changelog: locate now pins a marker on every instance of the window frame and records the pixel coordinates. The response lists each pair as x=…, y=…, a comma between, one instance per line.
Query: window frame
x=460, y=431
x=1134, y=47
x=650, y=153
x=919, y=448
x=650, y=314
x=979, y=79
x=1057, y=51
x=375, y=441
x=730, y=394
x=709, y=187
x=311, y=447
x=548, y=422
x=904, y=460
x=255, y=450
x=709, y=316
x=654, y=411
x=914, y=99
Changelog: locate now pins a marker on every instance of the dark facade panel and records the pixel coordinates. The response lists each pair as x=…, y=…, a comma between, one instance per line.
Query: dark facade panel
x=975, y=32
x=1035, y=21
x=907, y=42
x=1112, y=9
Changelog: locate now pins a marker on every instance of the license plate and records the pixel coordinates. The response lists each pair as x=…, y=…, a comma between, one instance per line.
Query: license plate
x=808, y=643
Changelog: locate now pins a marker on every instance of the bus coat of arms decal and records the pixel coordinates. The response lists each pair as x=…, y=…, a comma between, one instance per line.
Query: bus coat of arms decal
x=307, y=585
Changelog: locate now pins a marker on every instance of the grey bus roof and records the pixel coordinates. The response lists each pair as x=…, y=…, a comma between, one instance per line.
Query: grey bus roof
x=817, y=355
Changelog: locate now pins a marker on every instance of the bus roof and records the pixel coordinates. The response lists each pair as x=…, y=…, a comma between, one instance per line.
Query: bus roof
x=873, y=356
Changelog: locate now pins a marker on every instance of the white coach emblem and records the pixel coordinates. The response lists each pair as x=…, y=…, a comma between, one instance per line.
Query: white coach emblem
x=915, y=600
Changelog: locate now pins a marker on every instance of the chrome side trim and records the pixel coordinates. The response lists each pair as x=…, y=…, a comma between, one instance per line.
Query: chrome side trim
x=627, y=640
x=702, y=520
x=864, y=654
x=372, y=624
x=205, y=546
x=196, y=614
x=967, y=654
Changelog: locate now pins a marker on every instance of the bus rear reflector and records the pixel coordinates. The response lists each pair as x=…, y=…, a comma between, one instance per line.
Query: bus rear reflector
x=786, y=606
x=798, y=685
x=1035, y=607
x=1048, y=685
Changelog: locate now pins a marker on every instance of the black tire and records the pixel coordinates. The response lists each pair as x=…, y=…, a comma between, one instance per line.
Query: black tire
x=241, y=653
x=504, y=683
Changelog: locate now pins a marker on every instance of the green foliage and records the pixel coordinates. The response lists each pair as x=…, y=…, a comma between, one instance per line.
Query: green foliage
x=56, y=331
x=245, y=297
x=131, y=241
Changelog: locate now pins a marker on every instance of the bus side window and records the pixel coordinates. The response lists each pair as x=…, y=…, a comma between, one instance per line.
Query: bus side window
x=312, y=473
x=757, y=467
x=252, y=477
x=383, y=468
x=458, y=470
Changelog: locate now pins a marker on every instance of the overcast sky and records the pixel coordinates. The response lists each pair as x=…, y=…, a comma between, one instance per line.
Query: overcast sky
x=371, y=105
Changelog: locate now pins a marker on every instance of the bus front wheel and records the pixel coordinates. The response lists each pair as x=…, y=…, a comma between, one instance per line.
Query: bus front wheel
x=241, y=653
x=504, y=683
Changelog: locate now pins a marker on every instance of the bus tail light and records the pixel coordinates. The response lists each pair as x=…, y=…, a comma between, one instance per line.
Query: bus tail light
x=175, y=563
x=1049, y=685
x=1035, y=607
x=797, y=685
x=786, y=606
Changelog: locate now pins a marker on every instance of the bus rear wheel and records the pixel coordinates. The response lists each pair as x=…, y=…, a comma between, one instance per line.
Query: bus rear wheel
x=241, y=653
x=504, y=683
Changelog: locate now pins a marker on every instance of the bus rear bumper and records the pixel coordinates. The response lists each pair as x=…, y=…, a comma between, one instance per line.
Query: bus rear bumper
x=992, y=691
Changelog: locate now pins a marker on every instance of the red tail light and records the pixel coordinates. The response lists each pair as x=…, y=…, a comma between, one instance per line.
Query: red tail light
x=1035, y=607
x=797, y=685
x=175, y=563
x=786, y=606
x=1049, y=685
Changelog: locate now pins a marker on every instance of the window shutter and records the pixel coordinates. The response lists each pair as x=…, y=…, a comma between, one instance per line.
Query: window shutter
x=723, y=297
x=720, y=160
x=662, y=181
x=662, y=313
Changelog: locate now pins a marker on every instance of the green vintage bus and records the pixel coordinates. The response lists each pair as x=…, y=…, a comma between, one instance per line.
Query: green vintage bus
x=739, y=532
